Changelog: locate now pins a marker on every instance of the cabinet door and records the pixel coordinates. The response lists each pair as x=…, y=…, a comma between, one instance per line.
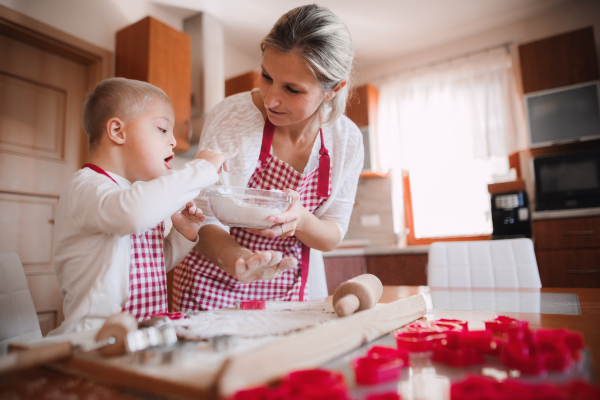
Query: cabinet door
x=154, y=52
x=560, y=60
x=569, y=268
x=241, y=83
x=339, y=269
x=568, y=233
x=410, y=270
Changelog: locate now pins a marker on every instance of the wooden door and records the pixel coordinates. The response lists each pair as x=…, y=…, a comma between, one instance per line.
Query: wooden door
x=41, y=96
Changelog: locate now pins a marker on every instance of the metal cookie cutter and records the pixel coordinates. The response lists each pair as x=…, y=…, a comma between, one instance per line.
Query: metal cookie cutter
x=157, y=345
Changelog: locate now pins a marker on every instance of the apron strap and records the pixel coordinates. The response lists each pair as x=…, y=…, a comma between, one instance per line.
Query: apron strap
x=267, y=140
x=324, y=169
x=98, y=170
x=304, y=270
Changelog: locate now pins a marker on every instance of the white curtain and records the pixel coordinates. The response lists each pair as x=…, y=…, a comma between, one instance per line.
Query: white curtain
x=451, y=126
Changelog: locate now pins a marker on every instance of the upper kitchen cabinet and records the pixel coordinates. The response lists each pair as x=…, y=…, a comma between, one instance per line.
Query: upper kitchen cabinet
x=152, y=51
x=561, y=60
x=362, y=110
x=241, y=83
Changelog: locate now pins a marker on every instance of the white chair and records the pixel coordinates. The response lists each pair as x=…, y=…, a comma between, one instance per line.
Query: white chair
x=18, y=319
x=508, y=263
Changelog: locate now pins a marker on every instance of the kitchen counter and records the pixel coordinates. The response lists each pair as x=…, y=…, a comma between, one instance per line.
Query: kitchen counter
x=560, y=214
x=376, y=251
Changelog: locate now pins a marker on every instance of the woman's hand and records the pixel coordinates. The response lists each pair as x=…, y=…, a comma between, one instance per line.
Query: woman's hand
x=262, y=265
x=285, y=223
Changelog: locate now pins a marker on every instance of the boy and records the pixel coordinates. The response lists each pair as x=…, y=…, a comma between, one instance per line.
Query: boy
x=110, y=254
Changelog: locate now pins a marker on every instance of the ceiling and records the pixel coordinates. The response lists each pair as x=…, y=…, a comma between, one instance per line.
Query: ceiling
x=381, y=29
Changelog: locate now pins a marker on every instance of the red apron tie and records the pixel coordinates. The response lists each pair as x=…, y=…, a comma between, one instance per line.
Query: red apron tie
x=99, y=170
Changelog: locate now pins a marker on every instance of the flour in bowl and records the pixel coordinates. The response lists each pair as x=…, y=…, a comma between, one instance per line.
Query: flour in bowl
x=236, y=212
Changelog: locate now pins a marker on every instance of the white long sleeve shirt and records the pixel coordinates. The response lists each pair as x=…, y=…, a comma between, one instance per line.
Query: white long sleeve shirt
x=94, y=220
x=237, y=123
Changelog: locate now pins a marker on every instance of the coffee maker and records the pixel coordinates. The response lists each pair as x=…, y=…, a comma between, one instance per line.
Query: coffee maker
x=510, y=215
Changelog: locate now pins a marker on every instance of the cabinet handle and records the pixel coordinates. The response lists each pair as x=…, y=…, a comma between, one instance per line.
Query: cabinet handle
x=570, y=233
x=583, y=271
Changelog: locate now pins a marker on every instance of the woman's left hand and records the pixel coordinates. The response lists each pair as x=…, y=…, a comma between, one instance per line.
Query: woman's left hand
x=285, y=223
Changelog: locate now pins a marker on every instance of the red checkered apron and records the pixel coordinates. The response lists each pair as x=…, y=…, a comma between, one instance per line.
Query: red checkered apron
x=201, y=285
x=147, y=275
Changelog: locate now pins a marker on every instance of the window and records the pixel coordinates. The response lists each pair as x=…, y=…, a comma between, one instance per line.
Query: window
x=451, y=127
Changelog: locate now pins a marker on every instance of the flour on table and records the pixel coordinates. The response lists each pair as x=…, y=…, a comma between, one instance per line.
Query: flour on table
x=279, y=318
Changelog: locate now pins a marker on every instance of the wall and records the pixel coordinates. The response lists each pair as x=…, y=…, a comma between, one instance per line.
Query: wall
x=96, y=21
x=237, y=63
x=577, y=14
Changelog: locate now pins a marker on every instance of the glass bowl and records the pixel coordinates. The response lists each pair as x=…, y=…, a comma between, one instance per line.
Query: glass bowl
x=244, y=207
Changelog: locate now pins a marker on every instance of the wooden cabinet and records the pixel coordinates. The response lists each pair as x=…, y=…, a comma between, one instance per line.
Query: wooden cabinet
x=405, y=269
x=362, y=106
x=241, y=83
x=154, y=52
x=362, y=110
x=560, y=60
x=339, y=269
x=568, y=251
x=396, y=269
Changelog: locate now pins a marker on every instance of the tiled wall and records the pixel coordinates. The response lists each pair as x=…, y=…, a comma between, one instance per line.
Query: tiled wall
x=373, y=198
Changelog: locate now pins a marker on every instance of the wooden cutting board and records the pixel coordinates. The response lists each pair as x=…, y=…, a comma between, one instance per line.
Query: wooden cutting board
x=211, y=375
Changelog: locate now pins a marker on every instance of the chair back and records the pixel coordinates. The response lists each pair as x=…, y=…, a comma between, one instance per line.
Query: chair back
x=18, y=319
x=507, y=263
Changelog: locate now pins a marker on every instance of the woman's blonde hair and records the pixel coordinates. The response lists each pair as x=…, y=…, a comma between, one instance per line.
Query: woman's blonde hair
x=323, y=40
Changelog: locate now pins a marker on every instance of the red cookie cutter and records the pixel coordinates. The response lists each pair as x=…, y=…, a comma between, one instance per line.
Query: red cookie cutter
x=384, y=396
x=522, y=352
x=389, y=352
x=572, y=340
x=545, y=350
x=477, y=387
x=317, y=384
x=502, y=324
x=371, y=371
x=463, y=349
x=422, y=336
x=251, y=304
x=418, y=342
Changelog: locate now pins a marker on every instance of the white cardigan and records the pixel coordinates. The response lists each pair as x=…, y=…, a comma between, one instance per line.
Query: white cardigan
x=94, y=220
x=237, y=123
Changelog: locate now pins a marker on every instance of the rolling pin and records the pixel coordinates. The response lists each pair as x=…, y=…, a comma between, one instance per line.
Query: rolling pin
x=110, y=340
x=357, y=294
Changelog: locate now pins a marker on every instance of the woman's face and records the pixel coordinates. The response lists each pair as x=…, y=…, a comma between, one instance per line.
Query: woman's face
x=289, y=90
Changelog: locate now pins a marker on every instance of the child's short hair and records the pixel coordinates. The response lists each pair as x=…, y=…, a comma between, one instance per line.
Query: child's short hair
x=116, y=97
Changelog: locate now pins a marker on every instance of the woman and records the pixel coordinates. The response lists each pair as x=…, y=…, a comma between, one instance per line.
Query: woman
x=292, y=136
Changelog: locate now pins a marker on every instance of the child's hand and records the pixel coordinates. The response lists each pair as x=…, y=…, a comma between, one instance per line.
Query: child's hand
x=188, y=220
x=263, y=265
x=216, y=158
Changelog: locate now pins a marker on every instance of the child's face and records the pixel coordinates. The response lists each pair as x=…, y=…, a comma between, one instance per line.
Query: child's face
x=149, y=142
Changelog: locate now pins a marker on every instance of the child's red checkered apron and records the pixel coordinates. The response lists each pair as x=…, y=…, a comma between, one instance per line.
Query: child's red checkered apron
x=147, y=275
x=201, y=285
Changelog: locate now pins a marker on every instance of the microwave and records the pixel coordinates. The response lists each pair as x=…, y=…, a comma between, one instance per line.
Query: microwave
x=569, y=180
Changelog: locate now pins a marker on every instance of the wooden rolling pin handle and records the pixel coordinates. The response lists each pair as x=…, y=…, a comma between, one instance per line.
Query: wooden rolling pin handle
x=347, y=305
x=36, y=356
